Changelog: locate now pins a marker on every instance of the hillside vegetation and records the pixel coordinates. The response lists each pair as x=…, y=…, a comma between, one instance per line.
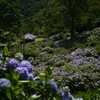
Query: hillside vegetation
x=66, y=51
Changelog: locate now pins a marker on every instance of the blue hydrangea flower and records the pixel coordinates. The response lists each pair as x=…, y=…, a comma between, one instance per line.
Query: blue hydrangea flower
x=67, y=96
x=53, y=86
x=1, y=55
x=27, y=65
x=30, y=76
x=23, y=71
x=4, y=83
x=13, y=63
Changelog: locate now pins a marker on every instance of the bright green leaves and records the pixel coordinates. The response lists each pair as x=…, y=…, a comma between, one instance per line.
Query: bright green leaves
x=6, y=53
x=16, y=86
x=46, y=76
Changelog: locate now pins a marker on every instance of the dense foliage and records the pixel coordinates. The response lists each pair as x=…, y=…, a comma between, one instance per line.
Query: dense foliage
x=68, y=54
x=47, y=17
x=54, y=16
x=17, y=81
x=9, y=20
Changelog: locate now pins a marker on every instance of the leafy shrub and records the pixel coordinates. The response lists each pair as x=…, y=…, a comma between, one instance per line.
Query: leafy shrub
x=58, y=36
x=47, y=49
x=93, y=43
x=61, y=51
x=69, y=68
x=30, y=46
x=97, y=48
x=41, y=44
x=21, y=84
x=33, y=61
x=32, y=53
x=88, y=54
x=50, y=43
x=69, y=59
x=77, y=45
x=59, y=63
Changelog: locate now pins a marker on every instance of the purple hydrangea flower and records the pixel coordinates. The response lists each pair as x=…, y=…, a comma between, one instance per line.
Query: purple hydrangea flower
x=23, y=71
x=27, y=65
x=13, y=63
x=53, y=86
x=67, y=96
x=30, y=76
x=1, y=55
x=4, y=83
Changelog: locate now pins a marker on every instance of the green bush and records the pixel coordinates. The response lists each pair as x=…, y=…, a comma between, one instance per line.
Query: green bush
x=93, y=43
x=88, y=54
x=97, y=48
x=50, y=43
x=61, y=51
x=69, y=59
x=68, y=68
x=47, y=49
x=77, y=45
x=30, y=46
x=41, y=44
x=31, y=53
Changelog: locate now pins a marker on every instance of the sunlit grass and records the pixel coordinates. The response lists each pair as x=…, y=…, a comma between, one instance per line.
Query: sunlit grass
x=39, y=39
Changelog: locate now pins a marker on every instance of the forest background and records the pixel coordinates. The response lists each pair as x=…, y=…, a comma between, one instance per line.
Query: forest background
x=47, y=17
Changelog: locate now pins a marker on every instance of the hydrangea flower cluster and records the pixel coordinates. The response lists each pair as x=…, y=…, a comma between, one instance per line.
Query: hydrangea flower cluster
x=84, y=57
x=23, y=72
x=66, y=95
x=65, y=92
x=19, y=56
x=24, y=68
x=4, y=83
x=27, y=65
x=13, y=63
x=54, y=86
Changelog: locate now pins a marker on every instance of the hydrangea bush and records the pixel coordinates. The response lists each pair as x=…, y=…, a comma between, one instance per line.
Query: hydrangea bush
x=19, y=82
x=4, y=83
x=79, y=70
x=26, y=83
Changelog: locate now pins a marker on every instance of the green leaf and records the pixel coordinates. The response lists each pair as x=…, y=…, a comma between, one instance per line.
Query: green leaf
x=17, y=91
x=34, y=97
x=8, y=93
x=24, y=81
x=48, y=70
x=7, y=76
x=15, y=76
x=23, y=93
x=6, y=52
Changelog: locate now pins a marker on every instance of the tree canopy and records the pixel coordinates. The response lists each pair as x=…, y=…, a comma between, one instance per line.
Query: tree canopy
x=48, y=17
x=10, y=21
x=54, y=16
x=9, y=15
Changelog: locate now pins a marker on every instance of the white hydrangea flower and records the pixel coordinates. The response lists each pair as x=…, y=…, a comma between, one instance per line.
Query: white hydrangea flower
x=66, y=89
x=19, y=56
